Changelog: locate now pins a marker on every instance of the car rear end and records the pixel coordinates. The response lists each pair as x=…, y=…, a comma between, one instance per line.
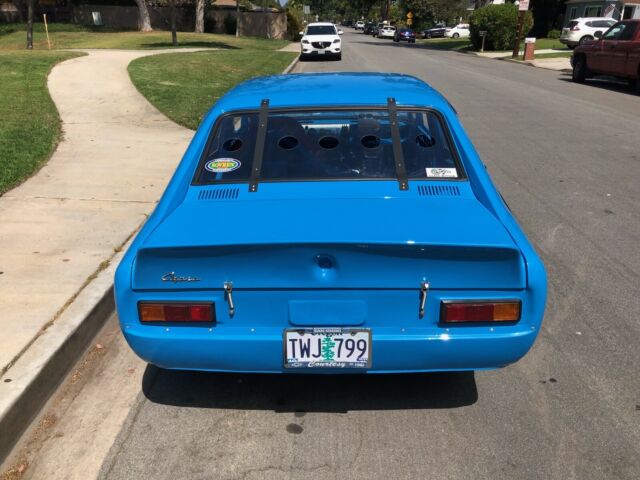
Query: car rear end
x=406, y=35
x=332, y=259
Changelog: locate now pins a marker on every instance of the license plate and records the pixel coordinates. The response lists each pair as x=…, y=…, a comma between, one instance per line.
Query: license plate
x=327, y=348
x=320, y=52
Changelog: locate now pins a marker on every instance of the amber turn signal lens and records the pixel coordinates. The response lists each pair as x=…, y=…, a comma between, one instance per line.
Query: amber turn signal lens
x=506, y=312
x=175, y=312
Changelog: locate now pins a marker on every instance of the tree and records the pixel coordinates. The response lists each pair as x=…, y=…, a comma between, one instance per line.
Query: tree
x=174, y=31
x=144, y=21
x=199, y=16
x=30, y=24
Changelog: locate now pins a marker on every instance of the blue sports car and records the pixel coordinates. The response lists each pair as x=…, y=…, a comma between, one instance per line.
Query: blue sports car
x=331, y=223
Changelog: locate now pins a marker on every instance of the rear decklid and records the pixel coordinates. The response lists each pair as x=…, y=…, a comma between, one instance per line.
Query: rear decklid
x=388, y=242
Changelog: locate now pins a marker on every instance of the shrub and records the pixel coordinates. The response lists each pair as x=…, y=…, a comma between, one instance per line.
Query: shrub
x=499, y=21
x=294, y=25
x=553, y=34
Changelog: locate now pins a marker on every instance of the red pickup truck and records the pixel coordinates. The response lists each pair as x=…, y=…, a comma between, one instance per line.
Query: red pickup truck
x=615, y=53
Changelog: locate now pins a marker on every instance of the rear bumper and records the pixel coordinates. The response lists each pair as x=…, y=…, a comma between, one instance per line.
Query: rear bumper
x=394, y=350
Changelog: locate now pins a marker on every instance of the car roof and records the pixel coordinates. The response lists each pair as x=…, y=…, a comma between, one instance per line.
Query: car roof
x=332, y=89
x=591, y=19
x=321, y=24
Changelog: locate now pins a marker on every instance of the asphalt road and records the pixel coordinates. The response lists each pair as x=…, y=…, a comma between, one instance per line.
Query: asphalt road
x=566, y=158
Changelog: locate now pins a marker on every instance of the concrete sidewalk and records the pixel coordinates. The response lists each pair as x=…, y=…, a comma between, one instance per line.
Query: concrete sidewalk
x=66, y=223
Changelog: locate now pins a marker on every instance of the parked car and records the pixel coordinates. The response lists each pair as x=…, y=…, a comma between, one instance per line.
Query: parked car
x=369, y=28
x=459, y=31
x=378, y=28
x=582, y=30
x=616, y=53
x=321, y=39
x=405, y=35
x=386, y=32
x=262, y=255
x=435, y=32
x=359, y=25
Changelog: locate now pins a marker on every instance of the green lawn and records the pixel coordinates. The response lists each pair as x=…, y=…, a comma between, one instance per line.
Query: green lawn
x=77, y=36
x=184, y=86
x=29, y=121
x=446, y=43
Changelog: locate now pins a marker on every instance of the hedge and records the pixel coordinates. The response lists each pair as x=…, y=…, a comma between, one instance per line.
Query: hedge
x=500, y=22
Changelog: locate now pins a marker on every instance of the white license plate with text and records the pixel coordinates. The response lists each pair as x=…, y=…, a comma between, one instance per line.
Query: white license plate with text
x=327, y=348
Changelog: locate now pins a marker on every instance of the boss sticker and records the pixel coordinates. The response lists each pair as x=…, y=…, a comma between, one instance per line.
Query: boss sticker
x=222, y=165
x=442, y=172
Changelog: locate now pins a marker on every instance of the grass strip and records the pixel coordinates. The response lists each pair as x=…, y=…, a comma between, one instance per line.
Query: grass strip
x=185, y=86
x=30, y=124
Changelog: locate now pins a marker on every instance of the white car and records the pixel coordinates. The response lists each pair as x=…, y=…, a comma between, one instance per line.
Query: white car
x=580, y=30
x=387, y=32
x=459, y=31
x=359, y=25
x=321, y=39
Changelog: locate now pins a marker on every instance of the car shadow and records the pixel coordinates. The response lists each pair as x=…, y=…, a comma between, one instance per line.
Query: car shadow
x=309, y=393
x=605, y=83
x=318, y=58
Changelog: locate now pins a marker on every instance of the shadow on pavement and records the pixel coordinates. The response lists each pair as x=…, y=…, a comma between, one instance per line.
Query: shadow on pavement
x=192, y=44
x=309, y=393
x=606, y=83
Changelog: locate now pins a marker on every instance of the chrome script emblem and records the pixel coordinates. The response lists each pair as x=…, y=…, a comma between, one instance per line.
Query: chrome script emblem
x=172, y=277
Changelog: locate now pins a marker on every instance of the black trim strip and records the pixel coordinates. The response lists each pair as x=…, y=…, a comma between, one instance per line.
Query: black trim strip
x=398, y=157
x=258, y=153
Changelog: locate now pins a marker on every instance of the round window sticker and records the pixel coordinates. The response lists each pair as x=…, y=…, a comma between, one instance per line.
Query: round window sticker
x=222, y=165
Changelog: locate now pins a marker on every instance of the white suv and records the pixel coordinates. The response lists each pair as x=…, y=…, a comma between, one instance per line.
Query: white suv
x=359, y=25
x=581, y=30
x=321, y=39
x=459, y=31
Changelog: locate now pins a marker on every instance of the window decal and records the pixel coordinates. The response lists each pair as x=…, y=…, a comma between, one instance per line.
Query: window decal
x=222, y=165
x=442, y=172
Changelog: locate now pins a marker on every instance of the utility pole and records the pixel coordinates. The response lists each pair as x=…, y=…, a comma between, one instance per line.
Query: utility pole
x=523, y=7
x=30, y=24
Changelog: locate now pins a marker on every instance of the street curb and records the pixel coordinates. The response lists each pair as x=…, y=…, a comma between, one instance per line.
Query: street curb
x=292, y=65
x=530, y=64
x=28, y=384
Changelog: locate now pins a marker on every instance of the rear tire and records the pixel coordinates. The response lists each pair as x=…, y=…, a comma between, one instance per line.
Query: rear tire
x=580, y=70
x=455, y=35
x=428, y=35
x=585, y=39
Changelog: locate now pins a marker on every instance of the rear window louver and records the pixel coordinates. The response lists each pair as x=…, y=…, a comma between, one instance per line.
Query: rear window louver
x=438, y=191
x=219, y=194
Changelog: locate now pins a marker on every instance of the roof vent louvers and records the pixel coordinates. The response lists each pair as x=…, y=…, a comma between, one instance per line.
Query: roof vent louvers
x=219, y=194
x=438, y=191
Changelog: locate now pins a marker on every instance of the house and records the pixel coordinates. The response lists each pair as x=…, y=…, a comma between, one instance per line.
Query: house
x=616, y=9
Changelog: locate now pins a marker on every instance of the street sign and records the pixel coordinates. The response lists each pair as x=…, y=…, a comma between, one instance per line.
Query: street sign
x=306, y=9
x=523, y=6
x=410, y=15
x=482, y=33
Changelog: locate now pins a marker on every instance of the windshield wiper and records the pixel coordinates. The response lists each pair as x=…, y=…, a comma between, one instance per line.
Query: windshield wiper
x=398, y=157
x=258, y=153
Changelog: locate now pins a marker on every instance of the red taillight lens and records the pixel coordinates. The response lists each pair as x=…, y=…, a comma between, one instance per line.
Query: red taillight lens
x=575, y=28
x=452, y=312
x=175, y=312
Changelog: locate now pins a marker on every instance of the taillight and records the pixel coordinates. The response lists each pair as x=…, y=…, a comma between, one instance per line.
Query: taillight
x=481, y=311
x=175, y=312
x=575, y=28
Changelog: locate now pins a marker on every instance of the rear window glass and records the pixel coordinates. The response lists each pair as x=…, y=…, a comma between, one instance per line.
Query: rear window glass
x=322, y=145
x=572, y=24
